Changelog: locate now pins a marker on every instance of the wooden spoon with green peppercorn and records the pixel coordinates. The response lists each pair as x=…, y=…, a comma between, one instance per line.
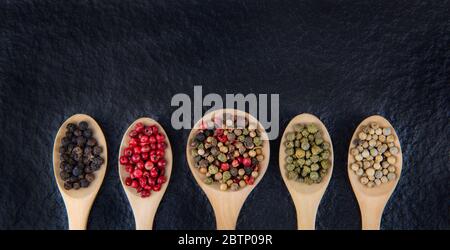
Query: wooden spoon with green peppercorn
x=144, y=209
x=79, y=202
x=372, y=200
x=227, y=204
x=306, y=197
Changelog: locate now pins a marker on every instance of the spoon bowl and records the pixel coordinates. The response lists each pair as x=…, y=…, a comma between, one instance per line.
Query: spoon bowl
x=373, y=200
x=306, y=197
x=144, y=209
x=79, y=202
x=227, y=204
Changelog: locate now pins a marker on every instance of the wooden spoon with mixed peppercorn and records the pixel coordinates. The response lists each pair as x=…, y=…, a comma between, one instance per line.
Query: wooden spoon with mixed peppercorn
x=79, y=192
x=306, y=170
x=373, y=198
x=237, y=168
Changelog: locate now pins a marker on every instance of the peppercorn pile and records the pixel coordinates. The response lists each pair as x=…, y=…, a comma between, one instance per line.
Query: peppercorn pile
x=374, y=155
x=230, y=156
x=143, y=159
x=80, y=156
x=307, y=153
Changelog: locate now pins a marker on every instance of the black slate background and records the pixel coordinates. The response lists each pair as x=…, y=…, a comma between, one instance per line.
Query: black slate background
x=119, y=60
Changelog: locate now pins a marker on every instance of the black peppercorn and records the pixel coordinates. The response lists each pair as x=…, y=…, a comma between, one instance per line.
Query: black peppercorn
x=76, y=171
x=77, y=133
x=67, y=185
x=72, y=179
x=200, y=137
x=87, y=150
x=65, y=141
x=76, y=185
x=68, y=168
x=98, y=160
x=90, y=177
x=84, y=183
x=91, y=142
x=209, y=132
x=71, y=127
x=97, y=150
x=81, y=141
x=87, y=133
x=88, y=170
x=64, y=175
x=64, y=157
x=83, y=125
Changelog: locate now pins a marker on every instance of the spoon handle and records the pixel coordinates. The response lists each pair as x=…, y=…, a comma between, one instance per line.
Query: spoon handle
x=226, y=209
x=371, y=213
x=144, y=216
x=306, y=212
x=78, y=213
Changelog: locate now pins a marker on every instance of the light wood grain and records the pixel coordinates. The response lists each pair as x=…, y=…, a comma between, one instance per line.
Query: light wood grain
x=373, y=200
x=306, y=197
x=144, y=209
x=227, y=204
x=79, y=202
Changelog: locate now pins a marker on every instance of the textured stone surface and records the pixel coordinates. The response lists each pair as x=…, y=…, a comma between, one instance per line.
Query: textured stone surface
x=119, y=60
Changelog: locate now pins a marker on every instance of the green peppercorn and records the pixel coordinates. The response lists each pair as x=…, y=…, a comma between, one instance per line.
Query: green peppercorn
x=292, y=175
x=312, y=128
x=314, y=175
x=213, y=169
x=305, y=145
x=289, y=159
x=290, y=167
x=226, y=175
x=222, y=157
x=208, y=180
x=290, y=136
x=298, y=128
x=325, y=164
x=290, y=151
x=257, y=141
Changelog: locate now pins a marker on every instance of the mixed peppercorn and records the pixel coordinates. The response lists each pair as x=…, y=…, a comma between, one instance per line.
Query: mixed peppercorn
x=79, y=155
x=374, y=154
x=229, y=155
x=143, y=159
x=308, y=155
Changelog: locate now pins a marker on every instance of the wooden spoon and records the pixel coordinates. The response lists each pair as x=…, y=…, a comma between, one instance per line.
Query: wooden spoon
x=144, y=209
x=79, y=202
x=227, y=204
x=373, y=200
x=306, y=197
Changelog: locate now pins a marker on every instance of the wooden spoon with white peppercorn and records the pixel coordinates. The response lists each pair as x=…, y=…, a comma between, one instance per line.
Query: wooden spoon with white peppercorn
x=306, y=197
x=372, y=200
x=79, y=202
x=144, y=209
x=227, y=204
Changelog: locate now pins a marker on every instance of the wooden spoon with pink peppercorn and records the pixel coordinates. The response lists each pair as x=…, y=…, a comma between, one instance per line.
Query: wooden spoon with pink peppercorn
x=144, y=209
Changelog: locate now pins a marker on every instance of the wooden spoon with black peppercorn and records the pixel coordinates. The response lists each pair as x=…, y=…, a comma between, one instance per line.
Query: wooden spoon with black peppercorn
x=79, y=202
x=144, y=208
x=227, y=204
x=306, y=197
x=373, y=200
